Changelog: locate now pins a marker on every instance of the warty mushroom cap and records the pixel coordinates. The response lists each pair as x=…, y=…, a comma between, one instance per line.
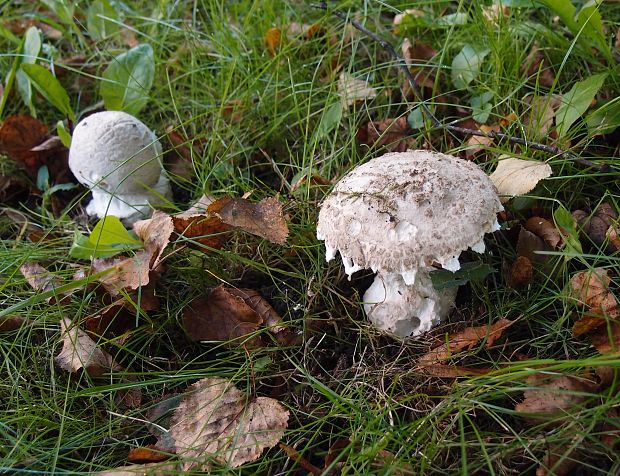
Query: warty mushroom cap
x=117, y=157
x=403, y=211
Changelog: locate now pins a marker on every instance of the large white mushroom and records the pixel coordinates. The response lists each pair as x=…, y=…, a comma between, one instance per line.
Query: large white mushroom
x=118, y=158
x=400, y=214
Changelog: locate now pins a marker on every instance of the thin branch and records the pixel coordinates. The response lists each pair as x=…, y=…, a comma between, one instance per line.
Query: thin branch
x=402, y=64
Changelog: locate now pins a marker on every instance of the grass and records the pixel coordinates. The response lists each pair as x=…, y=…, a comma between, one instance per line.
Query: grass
x=345, y=380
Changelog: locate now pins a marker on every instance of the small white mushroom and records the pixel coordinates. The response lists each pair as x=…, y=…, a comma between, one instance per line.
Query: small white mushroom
x=118, y=158
x=397, y=215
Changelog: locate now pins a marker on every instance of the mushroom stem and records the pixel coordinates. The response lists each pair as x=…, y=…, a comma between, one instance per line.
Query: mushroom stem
x=407, y=310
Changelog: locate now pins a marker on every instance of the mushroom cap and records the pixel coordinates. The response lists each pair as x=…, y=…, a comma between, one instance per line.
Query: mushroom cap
x=403, y=211
x=114, y=151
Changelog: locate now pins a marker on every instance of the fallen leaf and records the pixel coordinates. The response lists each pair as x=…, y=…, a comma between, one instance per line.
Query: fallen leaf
x=221, y=316
x=611, y=428
x=514, y=177
x=494, y=13
x=79, y=351
x=557, y=462
x=521, y=272
x=201, y=225
x=112, y=320
x=532, y=247
x=613, y=235
x=125, y=272
x=264, y=219
x=394, y=135
x=607, y=339
x=591, y=290
x=144, y=454
x=535, y=67
x=18, y=135
x=539, y=117
x=545, y=229
x=20, y=25
x=12, y=323
x=155, y=233
x=273, y=38
x=260, y=305
x=417, y=51
x=178, y=157
x=43, y=281
x=151, y=469
x=553, y=395
x=353, y=90
x=595, y=225
x=414, y=12
x=216, y=421
x=467, y=338
x=476, y=144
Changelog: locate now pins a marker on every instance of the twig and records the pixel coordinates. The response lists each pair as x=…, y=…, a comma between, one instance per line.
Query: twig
x=402, y=64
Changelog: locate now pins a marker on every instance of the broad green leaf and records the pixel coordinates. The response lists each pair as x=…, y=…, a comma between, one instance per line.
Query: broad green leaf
x=128, y=79
x=605, y=119
x=330, y=120
x=109, y=237
x=101, y=20
x=567, y=225
x=50, y=88
x=474, y=271
x=415, y=119
x=466, y=65
x=515, y=3
x=586, y=23
x=30, y=52
x=577, y=101
x=452, y=19
x=63, y=133
x=481, y=107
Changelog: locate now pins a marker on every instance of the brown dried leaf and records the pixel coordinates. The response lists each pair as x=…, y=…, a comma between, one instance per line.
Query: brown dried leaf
x=144, y=454
x=607, y=339
x=553, y=395
x=476, y=144
x=521, y=272
x=540, y=115
x=151, y=469
x=513, y=177
x=613, y=235
x=221, y=316
x=591, y=290
x=545, y=229
x=39, y=278
x=260, y=305
x=113, y=320
x=300, y=460
x=273, y=39
x=215, y=421
x=18, y=135
x=557, y=463
x=494, y=13
x=417, y=51
x=467, y=338
x=79, y=351
x=392, y=134
x=596, y=225
x=127, y=272
x=264, y=219
x=532, y=66
x=530, y=246
x=353, y=90
x=12, y=323
x=155, y=233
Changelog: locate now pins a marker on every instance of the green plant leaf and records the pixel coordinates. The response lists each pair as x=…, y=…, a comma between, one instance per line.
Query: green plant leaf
x=474, y=271
x=452, y=19
x=481, y=107
x=101, y=20
x=415, y=119
x=108, y=238
x=128, y=80
x=63, y=133
x=466, y=65
x=50, y=88
x=605, y=119
x=64, y=9
x=30, y=53
x=330, y=120
x=568, y=226
x=577, y=101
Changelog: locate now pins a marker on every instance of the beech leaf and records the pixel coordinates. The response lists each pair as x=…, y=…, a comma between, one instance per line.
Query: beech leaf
x=514, y=177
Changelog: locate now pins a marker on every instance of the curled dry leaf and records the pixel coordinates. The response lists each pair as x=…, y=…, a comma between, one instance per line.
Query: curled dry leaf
x=613, y=235
x=18, y=135
x=532, y=247
x=596, y=225
x=477, y=143
x=514, y=177
x=222, y=316
x=12, y=323
x=545, y=229
x=353, y=90
x=553, y=395
x=215, y=421
x=260, y=305
x=264, y=219
x=521, y=272
x=148, y=453
x=607, y=339
x=155, y=234
x=393, y=134
x=468, y=338
x=273, y=39
x=591, y=290
x=79, y=351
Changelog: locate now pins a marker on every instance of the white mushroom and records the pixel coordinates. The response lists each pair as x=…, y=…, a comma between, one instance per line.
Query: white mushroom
x=118, y=158
x=397, y=215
